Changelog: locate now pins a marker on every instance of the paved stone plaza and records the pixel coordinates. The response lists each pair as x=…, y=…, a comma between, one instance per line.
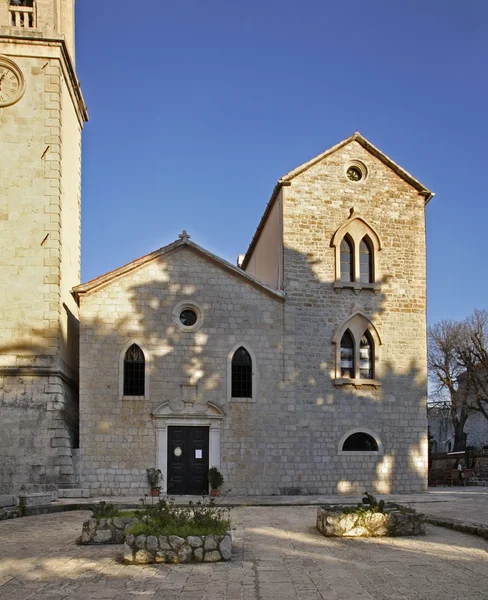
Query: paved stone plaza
x=278, y=554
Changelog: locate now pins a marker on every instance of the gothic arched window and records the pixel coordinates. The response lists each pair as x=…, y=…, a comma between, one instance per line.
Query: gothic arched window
x=241, y=374
x=366, y=356
x=134, y=371
x=365, y=261
x=347, y=355
x=347, y=260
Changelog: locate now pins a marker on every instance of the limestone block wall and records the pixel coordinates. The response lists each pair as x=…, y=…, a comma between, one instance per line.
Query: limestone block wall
x=39, y=242
x=118, y=435
x=315, y=205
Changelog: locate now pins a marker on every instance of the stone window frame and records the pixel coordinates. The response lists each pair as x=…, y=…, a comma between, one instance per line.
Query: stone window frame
x=230, y=398
x=357, y=324
x=370, y=432
x=188, y=305
x=356, y=228
x=144, y=350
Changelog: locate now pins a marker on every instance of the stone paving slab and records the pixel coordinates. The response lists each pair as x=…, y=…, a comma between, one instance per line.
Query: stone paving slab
x=278, y=555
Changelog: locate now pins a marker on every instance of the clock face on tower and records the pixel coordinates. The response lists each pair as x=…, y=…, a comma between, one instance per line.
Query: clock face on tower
x=12, y=85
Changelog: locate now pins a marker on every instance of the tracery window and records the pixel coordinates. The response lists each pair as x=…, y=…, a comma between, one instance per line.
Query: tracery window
x=134, y=371
x=241, y=374
x=357, y=342
x=357, y=246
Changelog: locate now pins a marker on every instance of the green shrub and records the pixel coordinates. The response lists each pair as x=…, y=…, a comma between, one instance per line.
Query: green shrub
x=166, y=518
x=104, y=510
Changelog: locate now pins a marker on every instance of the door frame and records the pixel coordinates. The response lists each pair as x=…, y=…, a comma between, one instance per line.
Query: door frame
x=211, y=417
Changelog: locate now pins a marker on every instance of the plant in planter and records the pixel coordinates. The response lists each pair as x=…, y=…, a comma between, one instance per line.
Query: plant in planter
x=216, y=480
x=155, y=478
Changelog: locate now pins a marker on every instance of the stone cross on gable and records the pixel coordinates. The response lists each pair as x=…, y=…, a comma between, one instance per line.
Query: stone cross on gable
x=184, y=236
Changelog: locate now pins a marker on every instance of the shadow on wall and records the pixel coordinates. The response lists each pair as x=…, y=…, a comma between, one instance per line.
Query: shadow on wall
x=308, y=415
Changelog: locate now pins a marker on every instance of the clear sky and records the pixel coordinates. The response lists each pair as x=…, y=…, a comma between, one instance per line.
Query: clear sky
x=198, y=107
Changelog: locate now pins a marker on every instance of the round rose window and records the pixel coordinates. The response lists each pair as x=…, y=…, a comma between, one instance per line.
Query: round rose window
x=354, y=173
x=188, y=317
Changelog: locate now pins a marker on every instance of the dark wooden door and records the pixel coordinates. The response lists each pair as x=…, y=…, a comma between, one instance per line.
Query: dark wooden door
x=187, y=460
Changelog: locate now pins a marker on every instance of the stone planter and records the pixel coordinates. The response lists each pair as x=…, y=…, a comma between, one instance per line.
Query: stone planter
x=145, y=549
x=106, y=531
x=395, y=521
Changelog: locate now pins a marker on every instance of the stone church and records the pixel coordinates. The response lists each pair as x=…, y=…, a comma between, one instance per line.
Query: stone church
x=299, y=370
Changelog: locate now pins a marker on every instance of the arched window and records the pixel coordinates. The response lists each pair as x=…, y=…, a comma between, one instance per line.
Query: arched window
x=241, y=374
x=134, y=371
x=347, y=355
x=365, y=261
x=347, y=260
x=366, y=356
x=360, y=442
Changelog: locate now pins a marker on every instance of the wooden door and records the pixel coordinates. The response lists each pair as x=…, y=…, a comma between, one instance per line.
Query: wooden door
x=188, y=460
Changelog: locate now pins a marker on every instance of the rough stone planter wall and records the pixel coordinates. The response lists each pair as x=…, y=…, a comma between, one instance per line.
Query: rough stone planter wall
x=333, y=522
x=106, y=531
x=144, y=549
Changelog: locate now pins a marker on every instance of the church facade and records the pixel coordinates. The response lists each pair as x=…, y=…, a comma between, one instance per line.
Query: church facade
x=300, y=370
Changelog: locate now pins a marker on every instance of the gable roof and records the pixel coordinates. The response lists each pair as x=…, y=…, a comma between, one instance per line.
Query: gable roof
x=182, y=242
x=286, y=180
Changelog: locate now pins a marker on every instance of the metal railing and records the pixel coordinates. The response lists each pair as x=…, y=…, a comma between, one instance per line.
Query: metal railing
x=22, y=16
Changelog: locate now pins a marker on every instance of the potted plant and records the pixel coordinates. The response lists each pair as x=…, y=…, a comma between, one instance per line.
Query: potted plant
x=154, y=477
x=215, y=479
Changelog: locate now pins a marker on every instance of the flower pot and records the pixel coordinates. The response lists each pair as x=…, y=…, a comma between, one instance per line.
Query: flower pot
x=214, y=492
x=155, y=492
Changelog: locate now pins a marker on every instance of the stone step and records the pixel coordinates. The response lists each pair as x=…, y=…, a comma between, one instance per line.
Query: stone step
x=73, y=493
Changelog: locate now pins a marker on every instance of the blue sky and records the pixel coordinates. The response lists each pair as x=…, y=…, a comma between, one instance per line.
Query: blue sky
x=197, y=108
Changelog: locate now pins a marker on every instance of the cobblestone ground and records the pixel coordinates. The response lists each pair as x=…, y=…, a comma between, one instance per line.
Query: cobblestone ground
x=277, y=555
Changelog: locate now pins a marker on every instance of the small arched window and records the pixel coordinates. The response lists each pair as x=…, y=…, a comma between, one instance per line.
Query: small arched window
x=347, y=260
x=366, y=356
x=134, y=371
x=241, y=374
x=365, y=261
x=347, y=355
x=360, y=442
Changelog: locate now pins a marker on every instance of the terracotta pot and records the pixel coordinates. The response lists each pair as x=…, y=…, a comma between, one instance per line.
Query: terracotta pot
x=155, y=492
x=214, y=492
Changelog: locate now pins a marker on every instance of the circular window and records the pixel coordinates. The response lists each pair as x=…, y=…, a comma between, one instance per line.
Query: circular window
x=355, y=170
x=354, y=174
x=188, y=316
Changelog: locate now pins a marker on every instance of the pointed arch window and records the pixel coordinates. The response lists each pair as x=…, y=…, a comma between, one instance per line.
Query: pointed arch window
x=134, y=371
x=241, y=374
x=347, y=355
x=365, y=261
x=347, y=260
x=366, y=356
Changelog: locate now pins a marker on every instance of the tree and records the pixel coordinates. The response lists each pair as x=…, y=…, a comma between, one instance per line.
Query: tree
x=445, y=368
x=472, y=352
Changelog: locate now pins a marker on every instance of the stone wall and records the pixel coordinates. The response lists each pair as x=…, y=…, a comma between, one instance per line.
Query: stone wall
x=144, y=549
x=188, y=371
x=316, y=204
x=39, y=242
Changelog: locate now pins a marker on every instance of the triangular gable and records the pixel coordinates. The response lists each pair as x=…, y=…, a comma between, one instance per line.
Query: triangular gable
x=183, y=242
x=286, y=180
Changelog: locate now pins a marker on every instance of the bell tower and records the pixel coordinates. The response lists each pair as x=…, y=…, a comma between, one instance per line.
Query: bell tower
x=42, y=113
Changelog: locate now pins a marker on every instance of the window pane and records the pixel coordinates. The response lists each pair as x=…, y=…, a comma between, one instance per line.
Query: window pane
x=134, y=371
x=346, y=261
x=365, y=263
x=360, y=442
x=347, y=355
x=241, y=374
x=366, y=357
